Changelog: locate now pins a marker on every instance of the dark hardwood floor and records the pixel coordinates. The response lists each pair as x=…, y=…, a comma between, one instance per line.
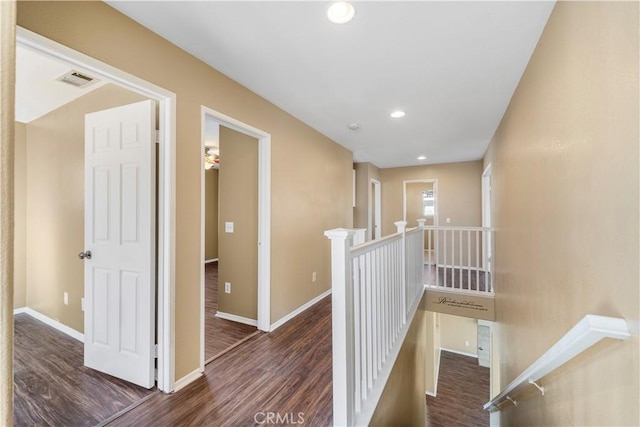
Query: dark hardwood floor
x=220, y=334
x=463, y=387
x=287, y=371
x=53, y=388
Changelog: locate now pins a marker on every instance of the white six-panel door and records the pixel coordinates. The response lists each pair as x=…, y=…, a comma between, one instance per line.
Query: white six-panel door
x=119, y=275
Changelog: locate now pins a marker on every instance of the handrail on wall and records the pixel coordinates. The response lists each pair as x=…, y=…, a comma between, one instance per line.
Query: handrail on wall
x=584, y=334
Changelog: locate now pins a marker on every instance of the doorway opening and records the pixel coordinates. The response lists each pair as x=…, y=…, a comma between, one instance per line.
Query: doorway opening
x=163, y=269
x=420, y=202
x=242, y=221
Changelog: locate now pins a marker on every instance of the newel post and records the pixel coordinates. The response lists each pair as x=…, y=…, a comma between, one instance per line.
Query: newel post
x=402, y=228
x=342, y=325
x=421, y=222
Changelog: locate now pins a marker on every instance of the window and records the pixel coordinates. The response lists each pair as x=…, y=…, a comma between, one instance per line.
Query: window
x=428, y=203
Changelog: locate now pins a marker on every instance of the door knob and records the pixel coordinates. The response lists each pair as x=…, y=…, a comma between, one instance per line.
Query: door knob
x=480, y=348
x=83, y=255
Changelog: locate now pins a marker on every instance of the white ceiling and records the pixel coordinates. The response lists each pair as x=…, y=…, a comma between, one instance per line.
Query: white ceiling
x=452, y=66
x=37, y=90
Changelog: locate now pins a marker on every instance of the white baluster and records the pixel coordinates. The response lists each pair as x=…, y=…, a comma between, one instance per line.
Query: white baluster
x=444, y=250
x=460, y=258
x=478, y=260
x=453, y=258
x=469, y=260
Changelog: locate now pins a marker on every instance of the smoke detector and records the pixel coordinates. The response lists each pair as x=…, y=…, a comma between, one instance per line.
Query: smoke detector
x=77, y=79
x=354, y=127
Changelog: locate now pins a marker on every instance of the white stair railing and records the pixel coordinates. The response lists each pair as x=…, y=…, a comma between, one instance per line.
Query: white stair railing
x=459, y=258
x=587, y=332
x=376, y=290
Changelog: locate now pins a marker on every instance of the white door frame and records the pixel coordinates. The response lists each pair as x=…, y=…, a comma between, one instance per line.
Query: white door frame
x=377, y=211
x=165, y=322
x=264, y=218
x=486, y=215
x=435, y=202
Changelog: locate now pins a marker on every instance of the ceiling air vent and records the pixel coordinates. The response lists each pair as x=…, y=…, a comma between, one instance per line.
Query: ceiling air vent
x=77, y=79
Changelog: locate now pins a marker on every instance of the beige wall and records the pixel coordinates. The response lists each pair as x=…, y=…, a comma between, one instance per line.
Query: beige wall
x=362, y=213
x=455, y=331
x=311, y=179
x=238, y=263
x=459, y=192
x=403, y=401
x=55, y=204
x=566, y=193
x=211, y=214
x=20, y=224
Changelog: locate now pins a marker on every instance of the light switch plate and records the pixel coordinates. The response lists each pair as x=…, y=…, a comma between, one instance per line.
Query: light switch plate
x=228, y=227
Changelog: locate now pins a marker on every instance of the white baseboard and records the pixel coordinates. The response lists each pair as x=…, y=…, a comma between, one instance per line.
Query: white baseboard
x=462, y=353
x=187, y=379
x=239, y=319
x=51, y=322
x=298, y=310
x=207, y=261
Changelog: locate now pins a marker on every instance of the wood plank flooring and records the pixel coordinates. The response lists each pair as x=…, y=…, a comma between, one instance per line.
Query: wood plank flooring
x=463, y=387
x=53, y=388
x=456, y=278
x=220, y=334
x=287, y=371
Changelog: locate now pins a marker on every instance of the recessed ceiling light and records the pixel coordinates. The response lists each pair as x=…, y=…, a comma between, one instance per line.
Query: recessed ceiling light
x=340, y=12
x=422, y=157
x=397, y=114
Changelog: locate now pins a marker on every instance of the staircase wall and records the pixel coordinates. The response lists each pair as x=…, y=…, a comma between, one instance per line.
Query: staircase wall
x=403, y=400
x=566, y=174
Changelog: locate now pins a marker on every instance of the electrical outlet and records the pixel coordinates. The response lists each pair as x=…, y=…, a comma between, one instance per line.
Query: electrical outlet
x=466, y=343
x=314, y=277
x=65, y=298
x=448, y=220
x=228, y=227
x=227, y=287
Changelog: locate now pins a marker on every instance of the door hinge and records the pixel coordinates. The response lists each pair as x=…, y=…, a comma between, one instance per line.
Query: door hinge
x=155, y=351
x=157, y=137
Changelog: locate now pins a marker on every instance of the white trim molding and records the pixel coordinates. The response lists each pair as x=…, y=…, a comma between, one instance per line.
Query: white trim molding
x=51, y=322
x=264, y=219
x=299, y=310
x=187, y=379
x=435, y=385
x=239, y=319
